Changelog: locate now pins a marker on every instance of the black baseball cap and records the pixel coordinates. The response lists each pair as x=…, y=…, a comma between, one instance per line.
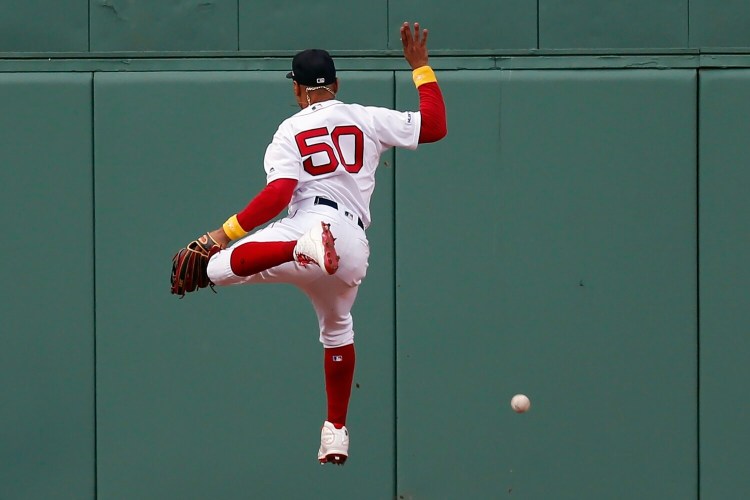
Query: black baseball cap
x=313, y=67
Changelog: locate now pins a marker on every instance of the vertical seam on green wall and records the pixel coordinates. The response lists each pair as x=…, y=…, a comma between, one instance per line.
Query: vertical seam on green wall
x=537, y=24
x=93, y=257
x=388, y=38
x=698, y=278
x=395, y=313
x=688, y=31
x=238, y=25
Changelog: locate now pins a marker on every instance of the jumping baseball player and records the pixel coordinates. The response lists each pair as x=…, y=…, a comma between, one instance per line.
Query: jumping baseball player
x=321, y=165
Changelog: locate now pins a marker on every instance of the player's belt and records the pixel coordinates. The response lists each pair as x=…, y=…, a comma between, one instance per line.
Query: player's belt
x=319, y=200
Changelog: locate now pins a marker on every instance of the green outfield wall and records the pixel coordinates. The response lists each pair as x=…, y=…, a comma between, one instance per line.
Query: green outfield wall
x=580, y=236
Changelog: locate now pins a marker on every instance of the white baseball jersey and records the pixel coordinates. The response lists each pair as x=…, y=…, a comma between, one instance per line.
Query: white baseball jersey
x=341, y=143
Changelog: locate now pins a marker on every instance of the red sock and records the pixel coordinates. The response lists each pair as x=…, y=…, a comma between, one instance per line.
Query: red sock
x=339, y=369
x=256, y=256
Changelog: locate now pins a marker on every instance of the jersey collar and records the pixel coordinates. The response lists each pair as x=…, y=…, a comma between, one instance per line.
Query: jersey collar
x=320, y=105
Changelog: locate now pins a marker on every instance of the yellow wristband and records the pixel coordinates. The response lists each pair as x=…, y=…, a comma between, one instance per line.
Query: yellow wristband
x=233, y=229
x=422, y=75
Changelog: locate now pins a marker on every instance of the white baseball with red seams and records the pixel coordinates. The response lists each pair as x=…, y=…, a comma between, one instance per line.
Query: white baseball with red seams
x=520, y=403
x=341, y=144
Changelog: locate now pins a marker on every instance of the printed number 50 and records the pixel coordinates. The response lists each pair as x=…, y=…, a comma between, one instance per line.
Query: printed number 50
x=334, y=157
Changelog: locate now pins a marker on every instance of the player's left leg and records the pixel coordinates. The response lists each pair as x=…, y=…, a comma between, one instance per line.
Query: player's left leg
x=316, y=246
x=255, y=254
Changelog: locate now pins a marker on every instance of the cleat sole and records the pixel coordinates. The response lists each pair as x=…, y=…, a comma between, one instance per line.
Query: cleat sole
x=333, y=458
x=331, y=257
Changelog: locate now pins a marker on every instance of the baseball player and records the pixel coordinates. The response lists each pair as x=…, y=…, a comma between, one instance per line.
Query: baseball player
x=321, y=165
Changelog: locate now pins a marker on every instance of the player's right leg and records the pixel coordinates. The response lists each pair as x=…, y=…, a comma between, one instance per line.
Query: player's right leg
x=331, y=296
x=333, y=301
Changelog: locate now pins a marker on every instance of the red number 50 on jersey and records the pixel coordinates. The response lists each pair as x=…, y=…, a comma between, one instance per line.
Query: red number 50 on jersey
x=334, y=158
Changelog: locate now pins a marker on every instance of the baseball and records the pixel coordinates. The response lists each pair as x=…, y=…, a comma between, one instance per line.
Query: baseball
x=520, y=403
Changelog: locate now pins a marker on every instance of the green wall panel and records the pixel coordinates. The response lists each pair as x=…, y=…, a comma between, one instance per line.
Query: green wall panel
x=220, y=396
x=724, y=274
x=198, y=25
x=44, y=25
x=719, y=24
x=487, y=24
x=548, y=247
x=47, y=310
x=567, y=24
x=294, y=25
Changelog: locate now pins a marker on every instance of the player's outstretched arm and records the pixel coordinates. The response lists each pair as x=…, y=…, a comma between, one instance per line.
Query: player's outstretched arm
x=431, y=105
x=415, y=45
x=261, y=209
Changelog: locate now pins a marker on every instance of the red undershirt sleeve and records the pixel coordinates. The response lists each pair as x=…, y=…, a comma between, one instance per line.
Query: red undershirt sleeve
x=432, y=108
x=267, y=204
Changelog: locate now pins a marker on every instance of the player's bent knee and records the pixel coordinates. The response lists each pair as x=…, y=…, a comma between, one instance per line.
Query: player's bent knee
x=219, y=271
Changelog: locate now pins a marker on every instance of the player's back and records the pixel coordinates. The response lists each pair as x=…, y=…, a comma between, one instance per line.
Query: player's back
x=337, y=148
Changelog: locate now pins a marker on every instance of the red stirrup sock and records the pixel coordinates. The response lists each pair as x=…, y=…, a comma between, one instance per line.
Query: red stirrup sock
x=339, y=369
x=256, y=256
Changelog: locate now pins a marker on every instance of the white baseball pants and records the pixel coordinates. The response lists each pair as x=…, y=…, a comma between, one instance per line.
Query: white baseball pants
x=331, y=296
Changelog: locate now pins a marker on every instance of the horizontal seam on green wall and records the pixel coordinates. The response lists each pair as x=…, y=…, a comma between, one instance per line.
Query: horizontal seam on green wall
x=692, y=60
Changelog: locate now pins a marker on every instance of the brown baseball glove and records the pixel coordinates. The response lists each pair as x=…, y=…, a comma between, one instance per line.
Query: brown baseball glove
x=189, y=266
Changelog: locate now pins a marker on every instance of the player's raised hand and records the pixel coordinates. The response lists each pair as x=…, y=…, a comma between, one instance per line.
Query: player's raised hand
x=415, y=45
